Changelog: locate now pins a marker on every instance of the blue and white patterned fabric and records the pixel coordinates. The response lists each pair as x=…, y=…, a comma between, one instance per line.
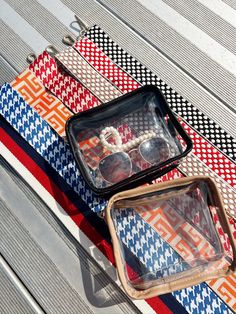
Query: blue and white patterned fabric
x=46, y=142
x=201, y=299
x=54, y=150
x=146, y=244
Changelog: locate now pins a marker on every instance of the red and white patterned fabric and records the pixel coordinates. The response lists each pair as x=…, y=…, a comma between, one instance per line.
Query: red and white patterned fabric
x=71, y=92
x=105, y=66
x=216, y=161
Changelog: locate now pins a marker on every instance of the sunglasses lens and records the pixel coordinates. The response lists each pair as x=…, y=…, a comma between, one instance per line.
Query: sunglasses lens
x=154, y=150
x=138, y=163
x=116, y=167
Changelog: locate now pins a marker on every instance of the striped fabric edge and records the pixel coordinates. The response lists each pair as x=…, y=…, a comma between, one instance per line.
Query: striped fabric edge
x=194, y=117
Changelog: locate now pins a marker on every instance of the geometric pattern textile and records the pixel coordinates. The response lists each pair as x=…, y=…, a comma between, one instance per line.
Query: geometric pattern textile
x=47, y=105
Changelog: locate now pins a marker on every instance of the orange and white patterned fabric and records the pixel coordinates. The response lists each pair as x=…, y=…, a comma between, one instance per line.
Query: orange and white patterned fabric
x=225, y=288
x=177, y=232
x=47, y=105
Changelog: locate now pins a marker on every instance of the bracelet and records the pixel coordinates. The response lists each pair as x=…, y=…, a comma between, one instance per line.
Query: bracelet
x=118, y=146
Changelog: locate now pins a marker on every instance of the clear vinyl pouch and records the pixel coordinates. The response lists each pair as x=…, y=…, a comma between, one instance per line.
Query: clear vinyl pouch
x=128, y=141
x=169, y=236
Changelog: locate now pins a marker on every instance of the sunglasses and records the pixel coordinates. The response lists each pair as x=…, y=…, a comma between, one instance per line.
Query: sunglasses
x=136, y=155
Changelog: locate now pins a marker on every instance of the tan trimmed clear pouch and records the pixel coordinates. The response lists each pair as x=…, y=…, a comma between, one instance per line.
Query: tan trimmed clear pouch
x=169, y=236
